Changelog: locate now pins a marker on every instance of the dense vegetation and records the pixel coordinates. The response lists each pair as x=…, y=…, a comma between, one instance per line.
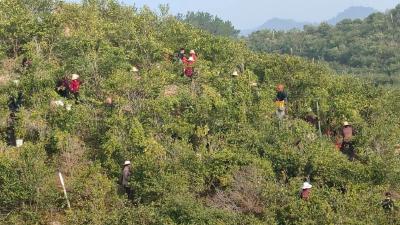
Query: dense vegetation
x=210, y=23
x=365, y=47
x=204, y=151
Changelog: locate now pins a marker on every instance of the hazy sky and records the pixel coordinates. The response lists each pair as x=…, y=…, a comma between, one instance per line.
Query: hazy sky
x=246, y=14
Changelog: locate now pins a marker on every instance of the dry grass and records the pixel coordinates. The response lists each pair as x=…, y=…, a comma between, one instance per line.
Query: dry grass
x=244, y=195
x=170, y=90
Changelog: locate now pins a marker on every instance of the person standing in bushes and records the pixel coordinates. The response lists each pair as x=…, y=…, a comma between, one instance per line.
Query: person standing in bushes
x=347, y=145
x=388, y=203
x=281, y=101
x=305, y=191
x=311, y=118
x=15, y=102
x=181, y=54
x=63, y=87
x=192, y=54
x=124, y=179
x=74, y=86
x=189, y=70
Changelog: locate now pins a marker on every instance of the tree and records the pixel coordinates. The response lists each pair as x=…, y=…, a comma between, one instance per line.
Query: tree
x=210, y=23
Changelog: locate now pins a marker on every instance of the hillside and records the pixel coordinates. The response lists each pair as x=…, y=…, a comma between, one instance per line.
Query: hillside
x=207, y=150
x=361, y=47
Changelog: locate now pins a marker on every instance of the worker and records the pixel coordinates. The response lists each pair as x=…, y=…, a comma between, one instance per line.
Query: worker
x=305, y=191
x=192, y=54
x=62, y=87
x=181, y=54
x=311, y=118
x=15, y=102
x=74, y=86
x=347, y=145
x=188, y=70
x=388, y=203
x=124, y=179
x=26, y=63
x=281, y=101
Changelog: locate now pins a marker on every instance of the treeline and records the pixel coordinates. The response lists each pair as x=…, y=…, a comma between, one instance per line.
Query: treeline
x=206, y=150
x=366, y=47
x=210, y=23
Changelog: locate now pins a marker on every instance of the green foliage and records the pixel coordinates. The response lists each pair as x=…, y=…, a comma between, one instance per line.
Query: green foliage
x=212, y=24
x=206, y=150
x=362, y=47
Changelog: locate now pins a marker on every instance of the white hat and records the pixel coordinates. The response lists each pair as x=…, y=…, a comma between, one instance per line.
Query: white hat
x=58, y=103
x=254, y=84
x=192, y=52
x=68, y=107
x=346, y=124
x=127, y=163
x=306, y=185
x=75, y=77
x=190, y=59
x=235, y=73
x=134, y=69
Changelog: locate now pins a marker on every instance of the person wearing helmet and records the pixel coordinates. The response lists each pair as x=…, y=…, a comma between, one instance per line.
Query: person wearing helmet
x=305, y=191
x=347, y=145
x=74, y=86
x=281, y=101
x=192, y=54
x=124, y=179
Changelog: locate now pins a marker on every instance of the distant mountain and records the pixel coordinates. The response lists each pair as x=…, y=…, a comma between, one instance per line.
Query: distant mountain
x=282, y=24
x=356, y=12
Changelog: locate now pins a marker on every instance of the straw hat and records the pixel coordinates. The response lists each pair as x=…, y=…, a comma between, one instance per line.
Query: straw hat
x=306, y=185
x=192, y=52
x=235, y=73
x=134, y=69
x=75, y=77
x=127, y=163
x=345, y=124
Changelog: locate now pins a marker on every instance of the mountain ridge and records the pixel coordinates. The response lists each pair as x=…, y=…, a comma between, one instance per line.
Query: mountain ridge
x=284, y=24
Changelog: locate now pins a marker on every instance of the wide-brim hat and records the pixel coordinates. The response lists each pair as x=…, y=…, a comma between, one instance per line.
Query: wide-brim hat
x=127, y=163
x=345, y=124
x=306, y=185
x=135, y=69
x=235, y=73
x=75, y=77
x=192, y=52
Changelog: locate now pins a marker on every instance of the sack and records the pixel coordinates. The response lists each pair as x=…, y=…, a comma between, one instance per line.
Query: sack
x=280, y=105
